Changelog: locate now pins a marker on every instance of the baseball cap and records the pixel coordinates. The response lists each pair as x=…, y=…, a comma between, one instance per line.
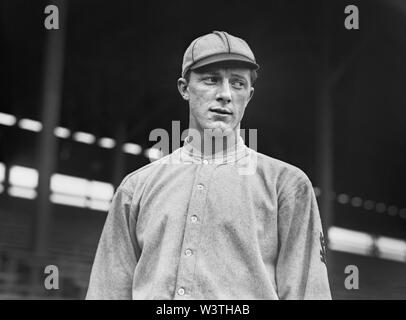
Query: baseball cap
x=215, y=47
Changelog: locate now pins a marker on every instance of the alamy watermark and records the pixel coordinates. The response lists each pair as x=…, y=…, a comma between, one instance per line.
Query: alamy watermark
x=51, y=281
x=352, y=20
x=211, y=141
x=352, y=280
x=52, y=19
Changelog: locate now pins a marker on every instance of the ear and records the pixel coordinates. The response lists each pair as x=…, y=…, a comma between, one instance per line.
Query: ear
x=183, y=88
x=251, y=93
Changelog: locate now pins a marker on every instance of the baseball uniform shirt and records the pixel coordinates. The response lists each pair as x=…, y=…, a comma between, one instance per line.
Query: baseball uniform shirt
x=234, y=225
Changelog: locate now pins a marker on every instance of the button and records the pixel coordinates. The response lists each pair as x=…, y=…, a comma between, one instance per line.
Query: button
x=181, y=291
x=188, y=252
x=205, y=161
x=200, y=186
x=193, y=219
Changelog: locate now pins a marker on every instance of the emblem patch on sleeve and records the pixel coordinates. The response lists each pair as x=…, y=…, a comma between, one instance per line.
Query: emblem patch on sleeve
x=323, y=251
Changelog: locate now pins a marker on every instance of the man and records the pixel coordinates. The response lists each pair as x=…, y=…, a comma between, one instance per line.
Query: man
x=194, y=224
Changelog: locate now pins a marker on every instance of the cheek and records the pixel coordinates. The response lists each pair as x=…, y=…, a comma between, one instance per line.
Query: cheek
x=241, y=102
x=199, y=98
x=195, y=100
x=196, y=105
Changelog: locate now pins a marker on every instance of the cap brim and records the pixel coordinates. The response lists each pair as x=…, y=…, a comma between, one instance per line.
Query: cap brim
x=222, y=57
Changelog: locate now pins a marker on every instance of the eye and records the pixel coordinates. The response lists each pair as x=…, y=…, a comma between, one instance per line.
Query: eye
x=238, y=84
x=210, y=80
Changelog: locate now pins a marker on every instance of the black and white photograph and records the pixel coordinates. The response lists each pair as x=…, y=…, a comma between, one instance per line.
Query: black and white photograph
x=227, y=151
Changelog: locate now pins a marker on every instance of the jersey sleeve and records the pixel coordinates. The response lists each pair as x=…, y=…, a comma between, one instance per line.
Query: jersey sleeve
x=301, y=271
x=113, y=268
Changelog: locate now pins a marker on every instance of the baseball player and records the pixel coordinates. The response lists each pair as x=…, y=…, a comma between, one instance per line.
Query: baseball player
x=192, y=225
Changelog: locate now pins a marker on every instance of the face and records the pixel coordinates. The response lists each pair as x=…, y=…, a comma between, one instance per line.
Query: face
x=218, y=96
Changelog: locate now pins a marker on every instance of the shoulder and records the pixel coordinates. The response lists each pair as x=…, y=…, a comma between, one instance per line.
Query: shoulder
x=282, y=171
x=139, y=177
x=287, y=177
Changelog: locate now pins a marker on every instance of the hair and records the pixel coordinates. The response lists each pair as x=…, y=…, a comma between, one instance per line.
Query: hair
x=253, y=75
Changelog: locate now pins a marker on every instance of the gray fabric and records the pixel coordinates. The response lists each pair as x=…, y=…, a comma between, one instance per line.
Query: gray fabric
x=257, y=236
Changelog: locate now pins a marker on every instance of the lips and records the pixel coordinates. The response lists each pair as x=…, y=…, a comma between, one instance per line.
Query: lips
x=219, y=110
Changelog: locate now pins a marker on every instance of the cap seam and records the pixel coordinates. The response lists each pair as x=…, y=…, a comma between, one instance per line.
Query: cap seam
x=193, y=48
x=228, y=43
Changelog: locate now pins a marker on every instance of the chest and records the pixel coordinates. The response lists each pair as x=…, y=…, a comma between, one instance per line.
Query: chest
x=217, y=198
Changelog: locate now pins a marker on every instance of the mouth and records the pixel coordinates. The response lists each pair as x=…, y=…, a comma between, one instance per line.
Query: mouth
x=221, y=111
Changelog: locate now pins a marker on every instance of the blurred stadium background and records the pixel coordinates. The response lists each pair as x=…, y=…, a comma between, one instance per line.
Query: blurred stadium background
x=77, y=106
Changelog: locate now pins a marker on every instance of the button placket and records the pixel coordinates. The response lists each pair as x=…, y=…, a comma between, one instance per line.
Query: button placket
x=196, y=212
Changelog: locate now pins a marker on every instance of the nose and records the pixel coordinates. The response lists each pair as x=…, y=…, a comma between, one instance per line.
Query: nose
x=224, y=92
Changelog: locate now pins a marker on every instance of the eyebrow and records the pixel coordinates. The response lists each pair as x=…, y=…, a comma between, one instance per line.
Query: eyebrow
x=217, y=73
x=213, y=72
x=239, y=76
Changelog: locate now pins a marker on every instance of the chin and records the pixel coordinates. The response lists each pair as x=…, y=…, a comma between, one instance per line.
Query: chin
x=219, y=130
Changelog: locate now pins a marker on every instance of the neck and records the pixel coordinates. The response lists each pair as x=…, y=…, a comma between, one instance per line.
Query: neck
x=209, y=142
